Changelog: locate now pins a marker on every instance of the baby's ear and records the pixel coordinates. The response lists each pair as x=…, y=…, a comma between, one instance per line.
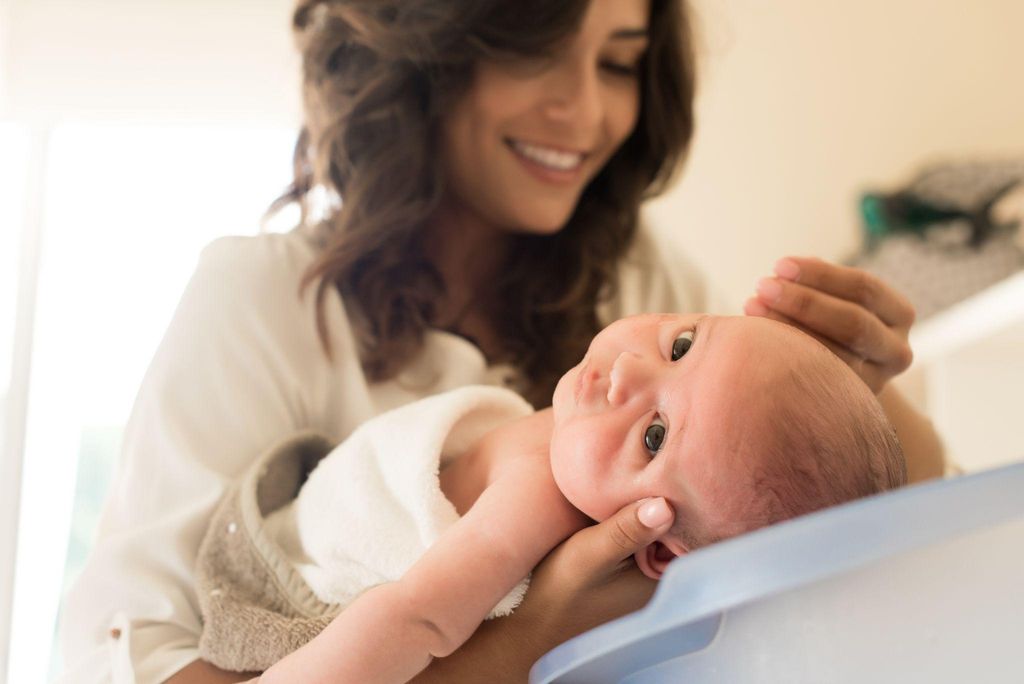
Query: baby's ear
x=655, y=557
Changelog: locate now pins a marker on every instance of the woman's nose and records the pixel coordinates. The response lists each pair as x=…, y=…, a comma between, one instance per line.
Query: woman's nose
x=628, y=377
x=574, y=95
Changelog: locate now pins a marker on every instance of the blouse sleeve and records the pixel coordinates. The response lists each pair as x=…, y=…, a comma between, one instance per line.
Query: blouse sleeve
x=239, y=367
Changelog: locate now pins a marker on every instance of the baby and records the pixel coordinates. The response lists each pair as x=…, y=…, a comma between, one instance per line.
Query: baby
x=737, y=422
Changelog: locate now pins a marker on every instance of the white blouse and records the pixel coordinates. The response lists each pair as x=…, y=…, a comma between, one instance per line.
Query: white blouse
x=240, y=367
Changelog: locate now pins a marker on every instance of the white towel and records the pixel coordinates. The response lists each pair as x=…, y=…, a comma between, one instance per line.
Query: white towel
x=373, y=505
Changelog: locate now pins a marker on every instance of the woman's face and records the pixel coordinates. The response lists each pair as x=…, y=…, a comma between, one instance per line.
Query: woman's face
x=526, y=138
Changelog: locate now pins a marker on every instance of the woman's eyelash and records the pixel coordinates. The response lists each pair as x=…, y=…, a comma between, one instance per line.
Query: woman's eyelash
x=682, y=344
x=622, y=69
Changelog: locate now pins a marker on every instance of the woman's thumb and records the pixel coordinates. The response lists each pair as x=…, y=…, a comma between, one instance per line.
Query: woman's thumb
x=632, y=528
x=655, y=513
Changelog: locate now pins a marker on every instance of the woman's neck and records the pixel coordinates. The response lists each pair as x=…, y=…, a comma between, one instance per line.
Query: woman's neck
x=468, y=252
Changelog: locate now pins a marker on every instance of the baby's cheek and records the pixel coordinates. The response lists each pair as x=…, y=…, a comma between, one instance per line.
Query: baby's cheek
x=573, y=469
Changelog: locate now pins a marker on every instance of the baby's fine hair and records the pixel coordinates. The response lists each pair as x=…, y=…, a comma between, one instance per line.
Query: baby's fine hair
x=829, y=442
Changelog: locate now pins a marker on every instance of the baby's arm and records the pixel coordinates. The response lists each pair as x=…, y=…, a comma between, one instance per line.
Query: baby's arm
x=391, y=632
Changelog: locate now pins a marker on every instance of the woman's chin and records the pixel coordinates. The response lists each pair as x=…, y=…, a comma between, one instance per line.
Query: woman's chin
x=542, y=218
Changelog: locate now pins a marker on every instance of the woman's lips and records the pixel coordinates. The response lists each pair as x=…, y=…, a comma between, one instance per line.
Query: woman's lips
x=549, y=174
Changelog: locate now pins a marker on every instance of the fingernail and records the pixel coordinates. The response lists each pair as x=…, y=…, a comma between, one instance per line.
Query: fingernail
x=770, y=289
x=754, y=307
x=655, y=513
x=788, y=269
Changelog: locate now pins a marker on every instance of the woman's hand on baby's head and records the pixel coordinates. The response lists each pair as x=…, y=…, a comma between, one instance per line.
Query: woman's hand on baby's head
x=591, y=578
x=855, y=314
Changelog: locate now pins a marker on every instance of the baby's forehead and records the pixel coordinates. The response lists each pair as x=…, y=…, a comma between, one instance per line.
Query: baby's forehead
x=755, y=382
x=743, y=369
x=655, y=321
x=662, y=317
x=747, y=344
x=747, y=370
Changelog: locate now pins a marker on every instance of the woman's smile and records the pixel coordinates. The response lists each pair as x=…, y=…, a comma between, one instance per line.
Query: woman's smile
x=549, y=164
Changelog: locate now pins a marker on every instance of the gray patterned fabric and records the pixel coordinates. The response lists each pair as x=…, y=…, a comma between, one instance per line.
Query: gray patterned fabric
x=940, y=267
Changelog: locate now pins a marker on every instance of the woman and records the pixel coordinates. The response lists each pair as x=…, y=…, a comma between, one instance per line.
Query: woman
x=490, y=158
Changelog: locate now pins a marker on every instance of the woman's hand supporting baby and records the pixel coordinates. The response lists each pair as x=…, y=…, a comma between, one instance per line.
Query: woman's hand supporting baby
x=591, y=578
x=586, y=581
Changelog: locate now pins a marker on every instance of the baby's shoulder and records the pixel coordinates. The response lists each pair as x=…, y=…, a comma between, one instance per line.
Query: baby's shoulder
x=520, y=445
x=532, y=508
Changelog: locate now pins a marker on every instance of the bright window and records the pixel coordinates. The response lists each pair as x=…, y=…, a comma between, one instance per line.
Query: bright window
x=126, y=213
x=13, y=155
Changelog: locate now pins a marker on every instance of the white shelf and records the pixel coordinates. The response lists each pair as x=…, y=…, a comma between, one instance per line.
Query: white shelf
x=979, y=317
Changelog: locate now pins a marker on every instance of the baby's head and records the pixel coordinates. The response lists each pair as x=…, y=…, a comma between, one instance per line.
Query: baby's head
x=739, y=422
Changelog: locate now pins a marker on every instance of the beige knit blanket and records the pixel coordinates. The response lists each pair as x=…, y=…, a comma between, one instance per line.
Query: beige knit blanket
x=255, y=606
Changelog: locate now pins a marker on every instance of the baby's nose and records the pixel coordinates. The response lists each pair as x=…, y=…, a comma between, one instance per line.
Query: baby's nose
x=629, y=375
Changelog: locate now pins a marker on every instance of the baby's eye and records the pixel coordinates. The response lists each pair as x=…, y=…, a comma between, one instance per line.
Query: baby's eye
x=682, y=345
x=654, y=436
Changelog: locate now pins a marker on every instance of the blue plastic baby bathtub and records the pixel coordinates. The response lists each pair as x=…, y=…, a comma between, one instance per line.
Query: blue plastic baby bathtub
x=918, y=585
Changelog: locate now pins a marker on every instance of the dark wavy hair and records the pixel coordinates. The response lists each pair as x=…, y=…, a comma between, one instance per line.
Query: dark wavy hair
x=378, y=78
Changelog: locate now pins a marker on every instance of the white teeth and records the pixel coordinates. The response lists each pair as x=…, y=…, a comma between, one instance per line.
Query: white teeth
x=559, y=161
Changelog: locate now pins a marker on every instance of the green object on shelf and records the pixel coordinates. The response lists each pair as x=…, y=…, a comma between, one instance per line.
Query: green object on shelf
x=902, y=213
x=905, y=212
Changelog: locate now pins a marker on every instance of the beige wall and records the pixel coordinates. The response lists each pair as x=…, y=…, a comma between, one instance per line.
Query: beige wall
x=804, y=103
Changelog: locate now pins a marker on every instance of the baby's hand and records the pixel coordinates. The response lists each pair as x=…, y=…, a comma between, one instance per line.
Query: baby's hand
x=856, y=315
